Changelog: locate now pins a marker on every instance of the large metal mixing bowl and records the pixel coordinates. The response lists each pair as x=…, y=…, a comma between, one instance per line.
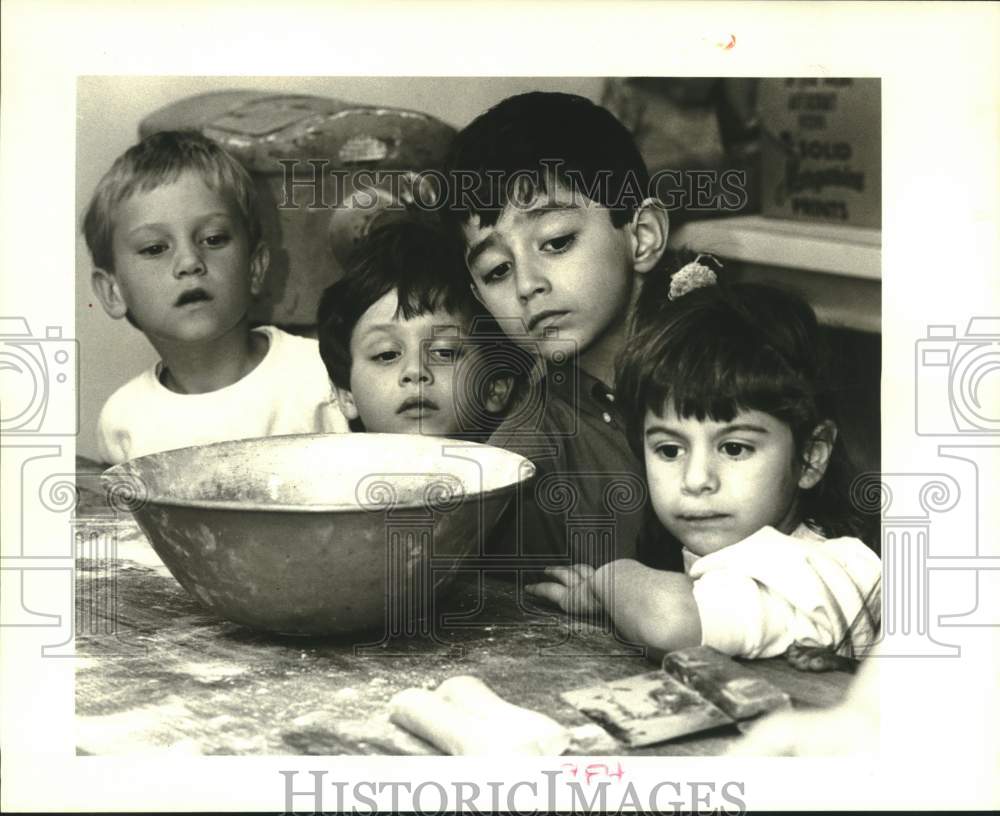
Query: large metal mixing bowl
x=319, y=534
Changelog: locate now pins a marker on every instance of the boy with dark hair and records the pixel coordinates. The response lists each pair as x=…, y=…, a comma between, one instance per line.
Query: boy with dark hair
x=549, y=191
x=401, y=347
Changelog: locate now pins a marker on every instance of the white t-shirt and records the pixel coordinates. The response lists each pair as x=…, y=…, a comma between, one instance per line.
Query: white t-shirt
x=288, y=392
x=758, y=596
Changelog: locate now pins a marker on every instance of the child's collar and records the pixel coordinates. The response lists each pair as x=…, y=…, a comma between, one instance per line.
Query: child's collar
x=584, y=393
x=570, y=381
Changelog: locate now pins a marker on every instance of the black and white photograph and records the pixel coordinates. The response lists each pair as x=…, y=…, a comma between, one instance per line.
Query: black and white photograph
x=334, y=511
x=587, y=434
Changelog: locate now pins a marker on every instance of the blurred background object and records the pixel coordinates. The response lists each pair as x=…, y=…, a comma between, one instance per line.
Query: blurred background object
x=316, y=163
x=700, y=137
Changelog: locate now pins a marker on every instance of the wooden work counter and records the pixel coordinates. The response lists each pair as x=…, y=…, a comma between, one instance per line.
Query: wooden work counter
x=156, y=671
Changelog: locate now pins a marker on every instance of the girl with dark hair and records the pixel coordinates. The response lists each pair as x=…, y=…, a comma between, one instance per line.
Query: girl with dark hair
x=725, y=398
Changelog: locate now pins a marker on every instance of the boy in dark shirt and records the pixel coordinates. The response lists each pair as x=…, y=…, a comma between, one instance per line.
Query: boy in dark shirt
x=549, y=190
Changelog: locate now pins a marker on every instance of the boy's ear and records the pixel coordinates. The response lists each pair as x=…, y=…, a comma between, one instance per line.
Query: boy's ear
x=817, y=454
x=347, y=406
x=108, y=292
x=498, y=394
x=260, y=260
x=649, y=229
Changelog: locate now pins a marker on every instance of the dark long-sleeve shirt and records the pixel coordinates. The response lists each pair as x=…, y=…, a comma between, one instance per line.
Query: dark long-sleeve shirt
x=588, y=502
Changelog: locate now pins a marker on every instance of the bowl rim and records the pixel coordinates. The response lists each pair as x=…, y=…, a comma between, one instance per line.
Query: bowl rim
x=125, y=474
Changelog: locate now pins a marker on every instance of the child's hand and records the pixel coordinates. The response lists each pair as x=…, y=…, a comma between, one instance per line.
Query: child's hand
x=817, y=659
x=571, y=589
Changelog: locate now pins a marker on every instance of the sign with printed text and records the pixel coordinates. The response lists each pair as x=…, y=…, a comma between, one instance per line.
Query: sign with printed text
x=822, y=150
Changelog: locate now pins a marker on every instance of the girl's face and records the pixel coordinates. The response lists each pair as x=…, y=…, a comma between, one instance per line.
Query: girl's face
x=712, y=484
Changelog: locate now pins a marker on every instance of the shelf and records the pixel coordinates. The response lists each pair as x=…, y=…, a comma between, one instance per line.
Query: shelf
x=854, y=252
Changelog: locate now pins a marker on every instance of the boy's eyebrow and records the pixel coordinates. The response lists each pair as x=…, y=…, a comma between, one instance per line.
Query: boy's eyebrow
x=163, y=226
x=531, y=215
x=440, y=328
x=478, y=249
x=550, y=206
x=446, y=331
x=381, y=327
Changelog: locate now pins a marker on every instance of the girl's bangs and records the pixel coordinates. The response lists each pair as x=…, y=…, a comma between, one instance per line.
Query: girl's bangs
x=719, y=380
